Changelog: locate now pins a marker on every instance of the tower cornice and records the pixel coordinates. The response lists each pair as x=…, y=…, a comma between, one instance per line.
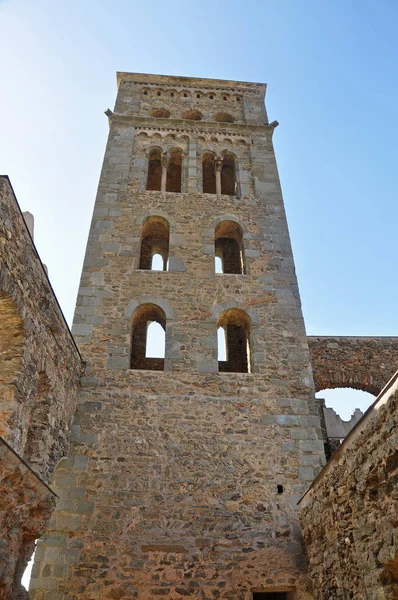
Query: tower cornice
x=184, y=125
x=192, y=82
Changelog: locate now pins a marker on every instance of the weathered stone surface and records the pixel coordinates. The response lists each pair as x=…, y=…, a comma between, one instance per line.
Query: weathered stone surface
x=349, y=514
x=181, y=486
x=362, y=363
x=39, y=372
x=26, y=504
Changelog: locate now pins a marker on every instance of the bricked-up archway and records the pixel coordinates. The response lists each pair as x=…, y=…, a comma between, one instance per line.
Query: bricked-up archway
x=362, y=363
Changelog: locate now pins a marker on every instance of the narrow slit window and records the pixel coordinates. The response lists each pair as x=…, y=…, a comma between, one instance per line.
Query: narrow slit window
x=218, y=264
x=221, y=342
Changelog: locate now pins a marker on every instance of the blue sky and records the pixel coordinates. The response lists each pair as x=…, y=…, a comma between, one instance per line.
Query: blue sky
x=330, y=66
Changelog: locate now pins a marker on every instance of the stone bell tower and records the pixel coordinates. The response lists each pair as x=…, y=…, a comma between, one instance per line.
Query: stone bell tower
x=186, y=465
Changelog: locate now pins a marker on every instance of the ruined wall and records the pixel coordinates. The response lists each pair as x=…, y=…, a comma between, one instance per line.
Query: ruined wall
x=184, y=482
x=362, y=363
x=39, y=362
x=39, y=373
x=26, y=504
x=349, y=514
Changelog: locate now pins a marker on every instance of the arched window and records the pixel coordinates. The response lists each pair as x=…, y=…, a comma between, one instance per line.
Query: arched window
x=235, y=357
x=154, y=177
x=155, y=236
x=228, y=241
x=228, y=176
x=173, y=182
x=209, y=174
x=148, y=338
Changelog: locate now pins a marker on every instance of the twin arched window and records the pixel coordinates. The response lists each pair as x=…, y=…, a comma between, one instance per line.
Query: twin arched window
x=164, y=170
x=149, y=340
x=219, y=173
x=228, y=246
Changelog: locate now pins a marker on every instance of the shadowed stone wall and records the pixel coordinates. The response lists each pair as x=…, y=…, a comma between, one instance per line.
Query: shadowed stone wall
x=171, y=485
x=39, y=373
x=349, y=514
x=26, y=504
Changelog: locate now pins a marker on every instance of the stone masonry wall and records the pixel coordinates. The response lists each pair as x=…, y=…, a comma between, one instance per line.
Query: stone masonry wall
x=26, y=504
x=40, y=369
x=184, y=482
x=349, y=514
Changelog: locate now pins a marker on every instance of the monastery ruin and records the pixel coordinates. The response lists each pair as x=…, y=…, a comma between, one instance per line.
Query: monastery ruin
x=187, y=474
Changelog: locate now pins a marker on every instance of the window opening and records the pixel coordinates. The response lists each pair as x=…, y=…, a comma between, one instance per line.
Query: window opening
x=218, y=264
x=228, y=242
x=208, y=173
x=228, y=178
x=236, y=325
x=157, y=263
x=174, y=171
x=155, y=341
x=147, y=341
x=154, y=251
x=221, y=342
x=279, y=489
x=154, y=177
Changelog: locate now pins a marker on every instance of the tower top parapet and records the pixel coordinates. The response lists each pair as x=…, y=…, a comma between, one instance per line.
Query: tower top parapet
x=192, y=82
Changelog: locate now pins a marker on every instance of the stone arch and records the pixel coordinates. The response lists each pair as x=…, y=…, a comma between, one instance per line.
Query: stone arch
x=161, y=302
x=360, y=363
x=155, y=239
x=142, y=317
x=236, y=324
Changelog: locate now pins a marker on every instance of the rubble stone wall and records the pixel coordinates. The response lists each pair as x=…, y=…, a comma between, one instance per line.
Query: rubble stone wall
x=349, y=514
x=362, y=363
x=40, y=369
x=184, y=482
x=26, y=504
x=40, y=363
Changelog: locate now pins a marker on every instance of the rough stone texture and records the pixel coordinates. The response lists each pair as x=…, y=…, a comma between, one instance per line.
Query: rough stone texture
x=171, y=485
x=39, y=373
x=39, y=362
x=362, y=363
x=349, y=514
x=26, y=504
